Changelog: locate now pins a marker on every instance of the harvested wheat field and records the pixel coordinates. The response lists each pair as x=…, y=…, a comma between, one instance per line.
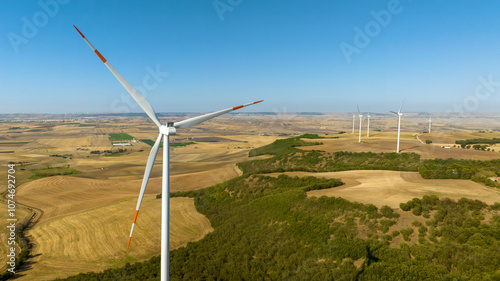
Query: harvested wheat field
x=386, y=142
x=392, y=188
x=65, y=195
x=96, y=239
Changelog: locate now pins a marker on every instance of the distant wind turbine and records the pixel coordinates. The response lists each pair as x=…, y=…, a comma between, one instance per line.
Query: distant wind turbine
x=368, y=126
x=165, y=131
x=430, y=124
x=360, y=119
x=353, y=119
x=399, y=114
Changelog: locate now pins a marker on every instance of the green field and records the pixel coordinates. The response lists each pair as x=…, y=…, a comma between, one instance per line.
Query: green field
x=183, y=144
x=151, y=143
x=49, y=172
x=148, y=142
x=14, y=142
x=120, y=136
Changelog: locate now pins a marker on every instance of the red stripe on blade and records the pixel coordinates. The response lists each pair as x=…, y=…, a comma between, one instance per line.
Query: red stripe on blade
x=78, y=31
x=237, y=107
x=258, y=101
x=100, y=56
x=128, y=245
x=135, y=216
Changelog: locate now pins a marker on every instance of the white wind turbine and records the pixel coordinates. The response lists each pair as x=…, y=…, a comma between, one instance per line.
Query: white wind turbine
x=399, y=114
x=430, y=123
x=165, y=131
x=353, y=119
x=360, y=119
x=368, y=126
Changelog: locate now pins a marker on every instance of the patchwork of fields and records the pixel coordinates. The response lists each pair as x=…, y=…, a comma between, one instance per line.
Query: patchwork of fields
x=87, y=216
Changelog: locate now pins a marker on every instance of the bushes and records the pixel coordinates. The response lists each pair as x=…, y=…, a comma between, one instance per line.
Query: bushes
x=466, y=142
x=49, y=172
x=387, y=212
x=406, y=232
x=478, y=171
x=284, y=146
x=266, y=228
x=320, y=161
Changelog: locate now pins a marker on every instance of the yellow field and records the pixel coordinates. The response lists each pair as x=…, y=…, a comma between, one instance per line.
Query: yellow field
x=386, y=142
x=96, y=239
x=87, y=217
x=391, y=187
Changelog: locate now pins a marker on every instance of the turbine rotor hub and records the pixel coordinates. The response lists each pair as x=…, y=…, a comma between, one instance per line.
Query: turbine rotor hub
x=167, y=130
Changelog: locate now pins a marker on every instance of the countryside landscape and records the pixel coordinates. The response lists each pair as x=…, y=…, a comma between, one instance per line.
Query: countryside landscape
x=250, y=140
x=293, y=196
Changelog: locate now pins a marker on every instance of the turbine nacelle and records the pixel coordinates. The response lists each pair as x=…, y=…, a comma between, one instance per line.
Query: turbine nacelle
x=168, y=130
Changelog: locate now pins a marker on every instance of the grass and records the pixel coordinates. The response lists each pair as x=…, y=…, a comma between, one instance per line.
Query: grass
x=120, y=136
x=49, y=172
x=151, y=143
x=15, y=142
x=62, y=156
x=183, y=144
x=87, y=125
x=148, y=142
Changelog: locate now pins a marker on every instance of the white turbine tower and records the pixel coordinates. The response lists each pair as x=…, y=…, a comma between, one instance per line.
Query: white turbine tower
x=368, y=126
x=399, y=114
x=165, y=131
x=353, y=119
x=430, y=124
x=360, y=119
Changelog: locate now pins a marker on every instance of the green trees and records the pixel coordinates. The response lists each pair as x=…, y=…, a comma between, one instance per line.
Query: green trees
x=266, y=228
x=278, y=233
x=478, y=171
x=464, y=143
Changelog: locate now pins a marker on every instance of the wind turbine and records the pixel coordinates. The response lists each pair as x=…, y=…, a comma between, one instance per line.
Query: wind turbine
x=368, y=127
x=353, y=119
x=165, y=131
x=430, y=123
x=360, y=119
x=399, y=114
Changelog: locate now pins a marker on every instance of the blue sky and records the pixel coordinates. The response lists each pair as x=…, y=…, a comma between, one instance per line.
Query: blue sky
x=209, y=55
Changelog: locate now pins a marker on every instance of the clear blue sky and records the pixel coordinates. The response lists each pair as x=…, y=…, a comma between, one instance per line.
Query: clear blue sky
x=287, y=52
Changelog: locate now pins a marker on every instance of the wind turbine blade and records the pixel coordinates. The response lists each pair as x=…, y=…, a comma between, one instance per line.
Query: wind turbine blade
x=143, y=103
x=145, y=179
x=399, y=111
x=393, y=112
x=198, y=119
x=358, y=109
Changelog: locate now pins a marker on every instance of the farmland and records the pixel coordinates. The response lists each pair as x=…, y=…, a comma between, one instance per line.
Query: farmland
x=96, y=199
x=120, y=136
